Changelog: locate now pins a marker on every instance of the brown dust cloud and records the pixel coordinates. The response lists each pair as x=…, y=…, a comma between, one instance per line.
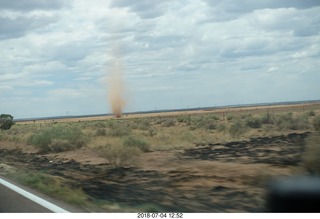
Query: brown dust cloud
x=116, y=87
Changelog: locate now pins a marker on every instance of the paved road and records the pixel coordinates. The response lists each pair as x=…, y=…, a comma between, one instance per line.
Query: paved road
x=17, y=198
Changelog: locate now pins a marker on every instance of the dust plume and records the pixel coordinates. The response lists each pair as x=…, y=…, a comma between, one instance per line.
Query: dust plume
x=116, y=85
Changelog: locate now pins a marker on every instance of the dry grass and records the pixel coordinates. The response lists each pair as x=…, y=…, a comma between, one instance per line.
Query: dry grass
x=177, y=130
x=127, y=142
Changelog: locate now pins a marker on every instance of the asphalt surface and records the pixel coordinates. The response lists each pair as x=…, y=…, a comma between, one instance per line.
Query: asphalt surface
x=19, y=199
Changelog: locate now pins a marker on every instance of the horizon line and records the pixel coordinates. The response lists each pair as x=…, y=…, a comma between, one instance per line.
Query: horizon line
x=170, y=110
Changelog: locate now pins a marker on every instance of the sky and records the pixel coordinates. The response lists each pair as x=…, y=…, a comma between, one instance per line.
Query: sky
x=56, y=56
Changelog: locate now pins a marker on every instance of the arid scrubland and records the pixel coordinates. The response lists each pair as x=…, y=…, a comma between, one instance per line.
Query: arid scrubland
x=115, y=138
x=128, y=142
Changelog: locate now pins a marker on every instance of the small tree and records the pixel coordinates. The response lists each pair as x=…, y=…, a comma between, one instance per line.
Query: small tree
x=6, y=121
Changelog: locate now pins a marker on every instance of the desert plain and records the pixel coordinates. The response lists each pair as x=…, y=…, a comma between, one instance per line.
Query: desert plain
x=213, y=160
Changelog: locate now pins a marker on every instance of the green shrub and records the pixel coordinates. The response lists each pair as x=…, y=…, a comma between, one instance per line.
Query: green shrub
x=101, y=132
x=245, y=116
x=299, y=123
x=210, y=125
x=136, y=142
x=287, y=121
x=169, y=122
x=198, y=121
x=283, y=121
x=316, y=123
x=101, y=124
x=158, y=120
x=152, y=132
x=267, y=118
x=118, y=155
x=310, y=113
x=58, y=139
x=182, y=118
x=2, y=136
x=213, y=117
x=221, y=127
x=311, y=160
x=6, y=121
x=59, y=145
x=205, y=122
x=253, y=122
x=143, y=124
x=237, y=129
x=95, y=124
x=118, y=130
x=230, y=117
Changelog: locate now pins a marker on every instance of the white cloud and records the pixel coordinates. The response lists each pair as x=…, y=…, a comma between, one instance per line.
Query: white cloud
x=174, y=53
x=38, y=83
x=144, y=8
x=29, y=5
x=4, y=88
x=273, y=68
x=83, y=78
x=65, y=92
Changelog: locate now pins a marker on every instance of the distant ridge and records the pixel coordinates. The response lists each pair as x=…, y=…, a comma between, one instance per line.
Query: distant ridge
x=173, y=110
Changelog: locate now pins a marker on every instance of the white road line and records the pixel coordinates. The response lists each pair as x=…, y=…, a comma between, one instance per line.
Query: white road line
x=32, y=197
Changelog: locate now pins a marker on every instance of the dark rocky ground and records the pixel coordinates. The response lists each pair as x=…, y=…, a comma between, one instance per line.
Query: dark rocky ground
x=283, y=150
x=226, y=177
